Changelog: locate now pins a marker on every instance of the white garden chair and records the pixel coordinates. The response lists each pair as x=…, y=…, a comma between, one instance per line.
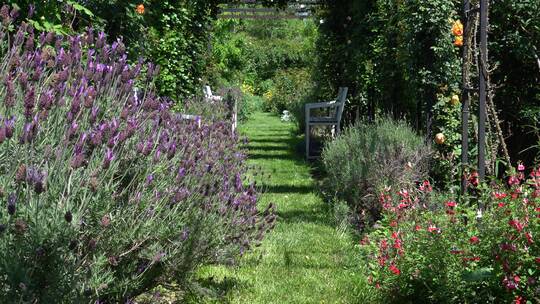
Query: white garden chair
x=333, y=118
x=209, y=96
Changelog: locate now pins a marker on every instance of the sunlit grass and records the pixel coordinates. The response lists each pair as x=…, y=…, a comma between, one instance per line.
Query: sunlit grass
x=305, y=259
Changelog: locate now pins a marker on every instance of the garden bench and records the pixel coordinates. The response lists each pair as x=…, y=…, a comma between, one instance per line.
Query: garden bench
x=333, y=118
x=209, y=96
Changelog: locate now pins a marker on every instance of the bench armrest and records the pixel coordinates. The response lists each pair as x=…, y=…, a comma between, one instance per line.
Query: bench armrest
x=330, y=104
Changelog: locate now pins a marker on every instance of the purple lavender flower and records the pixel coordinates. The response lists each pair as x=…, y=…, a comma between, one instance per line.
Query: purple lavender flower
x=94, y=114
x=11, y=207
x=109, y=157
x=184, y=234
x=78, y=161
x=73, y=129
x=9, y=126
x=29, y=131
x=149, y=179
x=36, y=178
x=29, y=103
x=4, y=13
x=68, y=217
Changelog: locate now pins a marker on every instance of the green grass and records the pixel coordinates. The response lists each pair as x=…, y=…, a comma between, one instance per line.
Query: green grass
x=305, y=259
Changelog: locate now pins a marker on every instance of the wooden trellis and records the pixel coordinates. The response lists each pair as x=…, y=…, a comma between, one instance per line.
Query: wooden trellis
x=253, y=9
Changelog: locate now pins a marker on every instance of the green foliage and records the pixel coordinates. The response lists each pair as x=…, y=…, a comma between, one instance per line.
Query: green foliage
x=289, y=89
x=397, y=57
x=368, y=157
x=265, y=58
x=172, y=34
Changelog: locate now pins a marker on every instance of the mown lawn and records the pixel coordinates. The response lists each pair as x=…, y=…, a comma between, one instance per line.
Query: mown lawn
x=305, y=259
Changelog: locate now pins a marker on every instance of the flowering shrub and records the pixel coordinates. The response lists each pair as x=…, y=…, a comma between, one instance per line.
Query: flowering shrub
x=441, y=250
x=105, y=192
x=367, y=157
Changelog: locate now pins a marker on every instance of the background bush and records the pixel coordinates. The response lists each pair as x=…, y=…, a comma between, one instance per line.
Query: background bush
x=106, y=192
x=368, y=157
x=267, y=59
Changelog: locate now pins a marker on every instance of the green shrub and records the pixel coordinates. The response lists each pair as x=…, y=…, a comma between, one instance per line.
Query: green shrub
x=290, y=89
x=368, y=157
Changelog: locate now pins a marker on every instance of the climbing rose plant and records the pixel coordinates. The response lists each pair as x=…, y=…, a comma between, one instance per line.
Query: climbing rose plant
x=104, y=191
x=449, y=251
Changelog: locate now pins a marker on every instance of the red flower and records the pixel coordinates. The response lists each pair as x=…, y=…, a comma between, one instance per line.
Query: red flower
x=394, y=269
x=426, y=186
x=501, y=204
x=537, y=260
x=499, y=195
x=402, y=206
x=474, y=240
x=519, y=300
x=474, y=179
x=473, y=259
x=417, y=228
x=516, y=224
x=517, y=279
x=529, y=237
x=365, y=240
x=393, y=224
x=451, y=204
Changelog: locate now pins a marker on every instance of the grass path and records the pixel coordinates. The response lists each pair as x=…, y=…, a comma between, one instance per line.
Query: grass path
x=305, y=259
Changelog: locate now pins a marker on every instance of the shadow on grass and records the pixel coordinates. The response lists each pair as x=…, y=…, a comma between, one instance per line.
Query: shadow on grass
x=303, y=216
x=215, y=290
x=269, y=148
x=284, y=189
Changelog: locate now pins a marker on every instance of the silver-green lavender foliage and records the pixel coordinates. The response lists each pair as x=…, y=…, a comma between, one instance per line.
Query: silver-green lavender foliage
x=368, y=157
x=104, y=191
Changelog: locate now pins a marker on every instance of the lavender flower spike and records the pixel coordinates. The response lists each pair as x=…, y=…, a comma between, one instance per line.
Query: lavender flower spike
x=109, y=157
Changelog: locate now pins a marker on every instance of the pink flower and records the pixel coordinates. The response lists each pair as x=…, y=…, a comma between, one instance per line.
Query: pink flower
x=433, y=228
x=521, y=167
x=513, y=180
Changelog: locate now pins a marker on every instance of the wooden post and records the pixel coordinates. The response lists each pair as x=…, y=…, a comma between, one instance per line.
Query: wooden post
x=465, y=97
x=483, y=70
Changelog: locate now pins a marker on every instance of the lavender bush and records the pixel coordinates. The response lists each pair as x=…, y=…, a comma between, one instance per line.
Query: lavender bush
x=106, y=193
